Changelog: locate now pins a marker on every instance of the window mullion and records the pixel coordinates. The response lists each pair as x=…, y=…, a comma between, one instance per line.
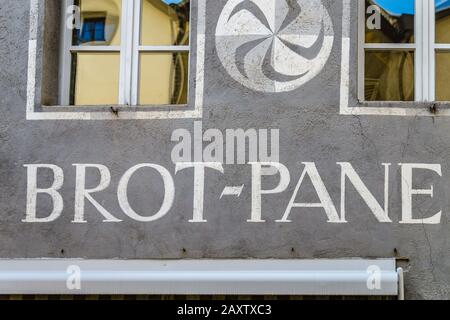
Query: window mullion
x=65, y=56
x=425, y=49
x=125, y=52
x=134, y=79
x=432, y=51
x=419, y=57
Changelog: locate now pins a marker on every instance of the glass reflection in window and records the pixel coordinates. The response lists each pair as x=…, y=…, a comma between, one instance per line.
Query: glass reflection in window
x=165, y=22
x=100, y=23
x=163, y=78
x=95, y=78
x=397, y=21
x=389, y=76
x=442, y=21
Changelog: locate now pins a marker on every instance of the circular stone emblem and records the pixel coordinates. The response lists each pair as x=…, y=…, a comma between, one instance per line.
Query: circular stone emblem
x=274, y=45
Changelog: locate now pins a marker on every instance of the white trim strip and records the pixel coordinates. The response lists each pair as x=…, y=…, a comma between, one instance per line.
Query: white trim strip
x=32, y=46
x=197, y=277
x=34, y=19
x=345, y=57
x=361, y=52
x=200, y=66
x=31, y=84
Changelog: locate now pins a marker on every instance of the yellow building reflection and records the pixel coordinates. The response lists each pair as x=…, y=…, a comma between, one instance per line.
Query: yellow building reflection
x=163, y=76
x=389, y=74
x=443, y=57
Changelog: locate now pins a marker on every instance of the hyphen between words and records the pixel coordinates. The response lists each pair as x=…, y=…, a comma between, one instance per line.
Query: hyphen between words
x=203, y=154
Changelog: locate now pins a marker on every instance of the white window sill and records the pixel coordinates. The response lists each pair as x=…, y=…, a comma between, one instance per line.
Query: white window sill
x=398, y=108
x=115, y=112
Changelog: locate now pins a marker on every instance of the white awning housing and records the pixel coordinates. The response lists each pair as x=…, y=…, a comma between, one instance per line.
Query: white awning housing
x=201, y=277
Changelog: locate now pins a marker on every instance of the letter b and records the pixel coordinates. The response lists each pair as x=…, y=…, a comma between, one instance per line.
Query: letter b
x=33, y=191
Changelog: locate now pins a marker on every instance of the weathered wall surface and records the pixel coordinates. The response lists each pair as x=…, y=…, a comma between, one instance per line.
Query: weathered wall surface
x=311, y=130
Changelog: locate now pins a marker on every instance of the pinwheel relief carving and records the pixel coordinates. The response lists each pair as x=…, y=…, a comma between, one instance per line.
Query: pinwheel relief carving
x=274, y=45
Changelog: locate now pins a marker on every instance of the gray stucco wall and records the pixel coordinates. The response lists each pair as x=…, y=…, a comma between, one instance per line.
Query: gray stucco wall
x=311, y=130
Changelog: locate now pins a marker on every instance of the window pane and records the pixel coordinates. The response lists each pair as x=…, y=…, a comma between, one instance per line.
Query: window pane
x=396, y=21
x=389, y=76
x=100, y=23
x=95, y=78
x=165, y=22
x=443, y=76
x=163, y=78
x=442, y=21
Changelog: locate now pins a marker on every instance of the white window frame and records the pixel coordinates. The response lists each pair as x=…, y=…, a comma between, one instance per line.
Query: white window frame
x=425, y=48
x=129, y=51
x=35, y=111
